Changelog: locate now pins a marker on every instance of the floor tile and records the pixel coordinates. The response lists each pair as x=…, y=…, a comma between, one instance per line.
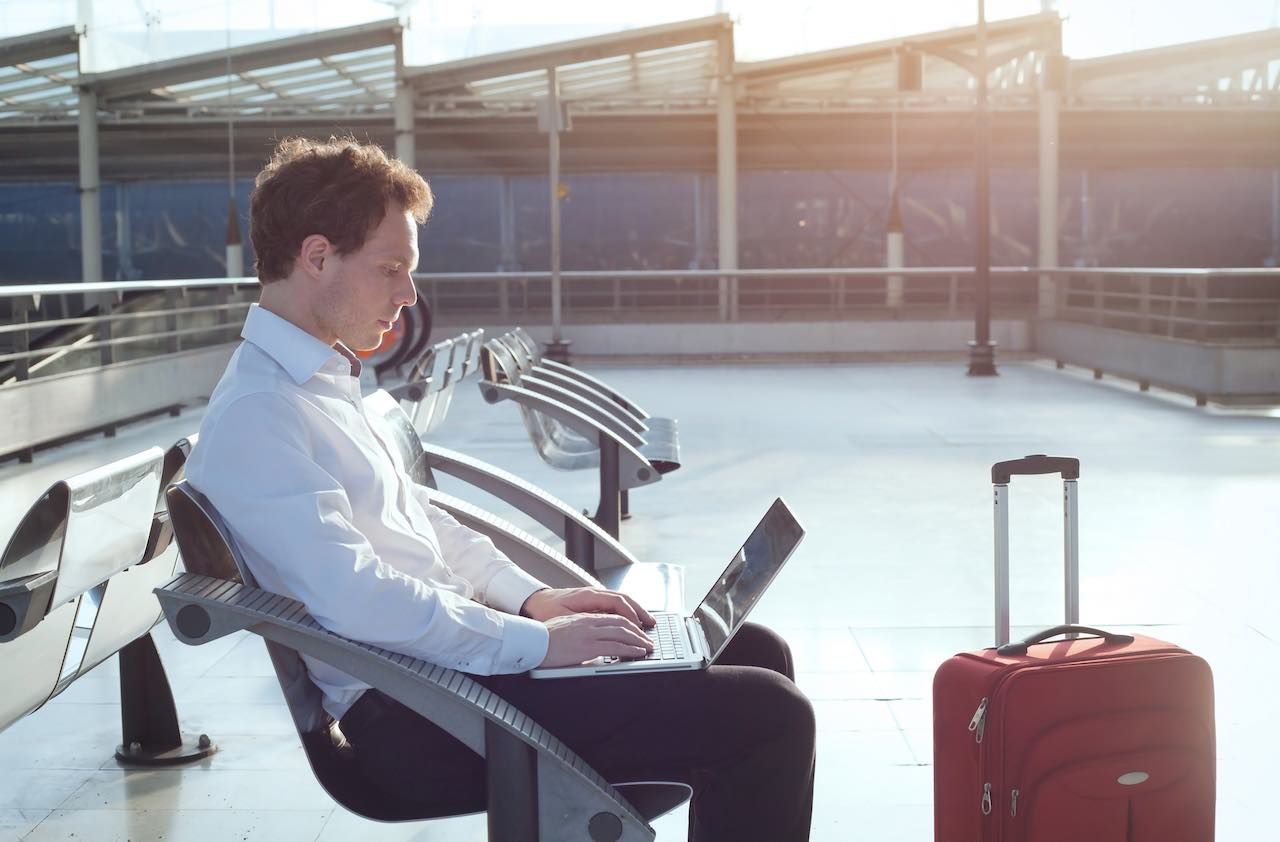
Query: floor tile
x=16, y=824
x=197, y=789
x=40, y=789
x=137, y=825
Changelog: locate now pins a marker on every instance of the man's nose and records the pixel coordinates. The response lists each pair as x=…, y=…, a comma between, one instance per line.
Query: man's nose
x=407, y=294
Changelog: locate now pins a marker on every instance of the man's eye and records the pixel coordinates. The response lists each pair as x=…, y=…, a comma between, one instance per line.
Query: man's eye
x=389, y=270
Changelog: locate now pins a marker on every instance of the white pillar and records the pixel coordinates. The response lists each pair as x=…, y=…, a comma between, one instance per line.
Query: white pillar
x=506, y=225
x=90, y=201
x=727, y=173
x=553, y=112
x=1049, y=105
x=895, y=255
x=406, y=138
x=235, y=247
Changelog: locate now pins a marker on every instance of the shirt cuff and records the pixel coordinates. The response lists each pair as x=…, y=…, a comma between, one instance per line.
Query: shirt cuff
x=509, y=588
x=524, y=644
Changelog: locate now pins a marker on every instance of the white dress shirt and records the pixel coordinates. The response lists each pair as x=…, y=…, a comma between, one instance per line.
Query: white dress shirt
x=324, y=513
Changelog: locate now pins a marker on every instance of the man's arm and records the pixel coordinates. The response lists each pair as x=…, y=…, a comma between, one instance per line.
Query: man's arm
x=255, y=464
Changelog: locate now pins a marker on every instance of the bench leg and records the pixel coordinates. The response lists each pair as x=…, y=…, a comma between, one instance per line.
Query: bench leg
x=511, y=767
x=609, y=512
x=626, y=504
x=579, y=546
x=148, y=719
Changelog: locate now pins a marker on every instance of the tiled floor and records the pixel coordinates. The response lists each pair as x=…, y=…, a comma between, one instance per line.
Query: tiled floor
x=887, y=467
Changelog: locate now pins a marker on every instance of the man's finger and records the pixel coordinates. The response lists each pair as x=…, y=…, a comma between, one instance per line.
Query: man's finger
x=643, y=617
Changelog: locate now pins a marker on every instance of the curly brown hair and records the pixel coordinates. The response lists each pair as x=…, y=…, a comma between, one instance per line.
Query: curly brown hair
x=340, y=188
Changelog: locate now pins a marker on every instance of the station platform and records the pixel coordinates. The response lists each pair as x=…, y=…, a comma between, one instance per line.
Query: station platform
x=887, y=466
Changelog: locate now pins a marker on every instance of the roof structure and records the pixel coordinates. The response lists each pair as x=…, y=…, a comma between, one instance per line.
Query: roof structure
x=657, y=67
x=865, y=77
x=645, y=99
x=38, y=73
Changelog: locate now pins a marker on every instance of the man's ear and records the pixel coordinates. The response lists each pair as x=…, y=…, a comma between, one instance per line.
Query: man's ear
x=315, y=250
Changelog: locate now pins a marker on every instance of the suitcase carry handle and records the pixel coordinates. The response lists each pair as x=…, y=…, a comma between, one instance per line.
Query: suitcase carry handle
x=1001, y=473
x=1068, y=466
x=1020, y=648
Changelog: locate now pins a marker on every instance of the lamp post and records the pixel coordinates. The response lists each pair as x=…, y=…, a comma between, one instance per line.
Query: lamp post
x=982, y=351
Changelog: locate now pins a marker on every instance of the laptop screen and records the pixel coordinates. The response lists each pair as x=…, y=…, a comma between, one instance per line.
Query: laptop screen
x=726, y=605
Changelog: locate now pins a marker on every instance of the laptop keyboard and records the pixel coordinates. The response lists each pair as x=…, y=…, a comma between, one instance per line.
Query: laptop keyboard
x=668, y=638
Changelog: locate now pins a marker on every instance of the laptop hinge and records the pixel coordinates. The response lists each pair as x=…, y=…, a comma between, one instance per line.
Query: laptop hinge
x=699, y=637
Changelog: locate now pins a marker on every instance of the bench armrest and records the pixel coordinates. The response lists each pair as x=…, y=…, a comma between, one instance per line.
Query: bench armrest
x=24, y=602
x=570, y=793
x=529, y=554
x=635, y=470
x=548, y=510
x=595, y=383
x=602, y=415
x=592, y=396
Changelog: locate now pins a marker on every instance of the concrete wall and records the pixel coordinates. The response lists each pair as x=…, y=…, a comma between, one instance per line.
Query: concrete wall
x=48, y=408
x=1222, y=373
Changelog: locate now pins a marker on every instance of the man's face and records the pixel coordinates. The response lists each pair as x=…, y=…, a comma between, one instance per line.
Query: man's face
x=361, y=294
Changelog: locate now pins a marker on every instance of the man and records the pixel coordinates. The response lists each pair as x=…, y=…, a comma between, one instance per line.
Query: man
x=325, y=515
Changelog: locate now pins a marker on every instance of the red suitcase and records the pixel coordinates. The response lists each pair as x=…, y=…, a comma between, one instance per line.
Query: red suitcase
x=1098, y=738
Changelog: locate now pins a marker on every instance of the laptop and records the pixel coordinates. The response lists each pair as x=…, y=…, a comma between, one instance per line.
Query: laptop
x=694, y=642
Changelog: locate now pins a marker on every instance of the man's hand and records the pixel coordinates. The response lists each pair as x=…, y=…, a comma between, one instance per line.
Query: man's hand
x=560, y=602
x=580, y=637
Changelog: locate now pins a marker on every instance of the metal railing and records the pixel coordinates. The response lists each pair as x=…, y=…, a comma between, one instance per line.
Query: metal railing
x=1236, y=306
x=51, y=328
x=744, y=294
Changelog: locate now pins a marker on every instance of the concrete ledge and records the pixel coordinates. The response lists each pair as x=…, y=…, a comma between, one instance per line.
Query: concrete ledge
x=1235, y=374
x=47, y=409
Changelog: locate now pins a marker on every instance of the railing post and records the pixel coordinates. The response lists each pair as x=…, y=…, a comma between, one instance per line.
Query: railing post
x=171, y=299
x=106, y=351
x=1144, y=303
x=22, y=338
x=953, y=295
x=1098, y=282
x=1202, y=307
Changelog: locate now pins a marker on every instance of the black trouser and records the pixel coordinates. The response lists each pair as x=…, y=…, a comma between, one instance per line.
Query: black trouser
x=740, y=733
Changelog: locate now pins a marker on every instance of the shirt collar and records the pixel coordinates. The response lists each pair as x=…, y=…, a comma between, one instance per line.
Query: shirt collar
x=296, y=351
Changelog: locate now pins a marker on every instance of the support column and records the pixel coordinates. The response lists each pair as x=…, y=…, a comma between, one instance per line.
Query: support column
x=895, y=256
x=406, y=137
x=1050, y=101
x=982, y=350
x=506, y=225
x=90, y=200
x=125, y=270
x=235, y=247
x=1275, y=217
x=727, y=173
x=558, y=349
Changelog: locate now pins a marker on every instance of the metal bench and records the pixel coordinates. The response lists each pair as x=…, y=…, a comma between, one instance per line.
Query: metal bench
x=428, y=390
x=571, y=433
x=661, y=435
x=537, y=788
x=591, y=556
x=76, y=584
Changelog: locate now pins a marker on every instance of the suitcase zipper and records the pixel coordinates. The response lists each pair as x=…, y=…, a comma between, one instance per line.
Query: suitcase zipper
x=978, y=725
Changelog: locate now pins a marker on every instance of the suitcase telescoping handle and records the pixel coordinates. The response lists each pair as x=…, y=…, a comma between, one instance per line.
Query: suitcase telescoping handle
x=1001, y=474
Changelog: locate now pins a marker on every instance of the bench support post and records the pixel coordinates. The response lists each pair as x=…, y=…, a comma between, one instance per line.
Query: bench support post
x=579, y=545
x=148, y=719
x=511, y=767
x=609, y=513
